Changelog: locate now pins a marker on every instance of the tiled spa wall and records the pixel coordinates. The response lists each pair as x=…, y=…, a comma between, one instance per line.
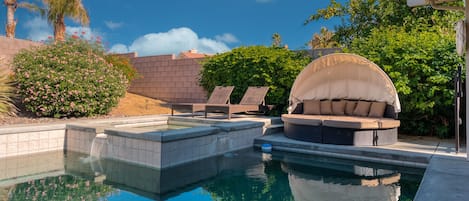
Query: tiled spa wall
x=164, y=149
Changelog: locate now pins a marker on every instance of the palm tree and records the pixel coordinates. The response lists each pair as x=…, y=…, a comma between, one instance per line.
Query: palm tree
x=57, y=10
x=11, y=8
x=323, y=40
x=276, y=40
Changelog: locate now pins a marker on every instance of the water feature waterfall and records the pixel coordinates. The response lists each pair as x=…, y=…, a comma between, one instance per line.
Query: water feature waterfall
x=97, y=145
x=99, y=142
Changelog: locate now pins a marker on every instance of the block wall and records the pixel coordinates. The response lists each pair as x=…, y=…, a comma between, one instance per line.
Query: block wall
x=10, y=46
x=169, y=79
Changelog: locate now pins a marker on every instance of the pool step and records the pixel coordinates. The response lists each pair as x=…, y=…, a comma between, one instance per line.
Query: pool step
x=273, y=129
x=276, y=120
x=372, y=154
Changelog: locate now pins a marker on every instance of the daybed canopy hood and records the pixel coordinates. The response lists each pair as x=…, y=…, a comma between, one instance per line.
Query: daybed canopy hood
x=343, y=76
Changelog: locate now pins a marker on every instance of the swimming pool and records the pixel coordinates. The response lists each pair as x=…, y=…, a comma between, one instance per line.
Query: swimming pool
x=242, y=175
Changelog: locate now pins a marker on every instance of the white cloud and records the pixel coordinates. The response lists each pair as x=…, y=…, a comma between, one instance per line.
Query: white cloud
x=227, y=38
x=38, y=29
x=119, y=48
x=113, y=25
x=172, y=42
x=263, y=1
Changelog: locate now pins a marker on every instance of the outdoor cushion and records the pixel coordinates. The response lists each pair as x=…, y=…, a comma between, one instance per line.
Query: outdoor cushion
x=338, y=107
x=362, y=109
x=300, y=119
x=311, y=107
x=388, y=123
x=326, y=107
x=350, y=107
x=377, y=109
x=351, y=122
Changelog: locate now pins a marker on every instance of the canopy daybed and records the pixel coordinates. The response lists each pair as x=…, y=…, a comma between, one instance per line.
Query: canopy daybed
x=343, y=99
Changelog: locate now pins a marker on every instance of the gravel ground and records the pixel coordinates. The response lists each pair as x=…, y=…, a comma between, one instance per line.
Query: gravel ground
x=130, y=105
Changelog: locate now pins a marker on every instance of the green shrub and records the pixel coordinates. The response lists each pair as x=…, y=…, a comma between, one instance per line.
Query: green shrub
x=69, y=78
x=123, y=64
x=274, y=67
x=422, y=65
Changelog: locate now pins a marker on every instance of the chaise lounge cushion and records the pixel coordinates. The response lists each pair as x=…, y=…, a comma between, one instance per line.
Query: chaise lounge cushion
x=326, y=107
x=351, y=122
x=338, y=107
x=300, y=119
x=311, y=107
x=387, y=123
x=377, y=109
x=362, y=109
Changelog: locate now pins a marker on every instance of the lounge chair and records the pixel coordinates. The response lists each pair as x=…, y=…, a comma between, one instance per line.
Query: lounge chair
x=220, y=95
x=252, y=101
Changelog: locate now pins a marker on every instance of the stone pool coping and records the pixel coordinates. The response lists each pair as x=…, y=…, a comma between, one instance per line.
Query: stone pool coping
x=205, y=127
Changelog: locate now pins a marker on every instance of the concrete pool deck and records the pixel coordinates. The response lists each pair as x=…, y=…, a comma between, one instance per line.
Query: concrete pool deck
x=446, y=176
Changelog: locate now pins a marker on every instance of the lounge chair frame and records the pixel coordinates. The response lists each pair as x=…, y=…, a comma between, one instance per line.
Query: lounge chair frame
x=252, y=101
x=220, y=95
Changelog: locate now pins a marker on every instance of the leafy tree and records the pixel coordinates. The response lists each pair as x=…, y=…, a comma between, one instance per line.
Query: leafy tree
x=415, y=46
x=254, y=66
x=360, y=17
x=323, y=40
x=57, y=10
x=422, y=65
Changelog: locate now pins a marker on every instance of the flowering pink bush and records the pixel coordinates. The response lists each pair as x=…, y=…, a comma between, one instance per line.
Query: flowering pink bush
x=69, y=78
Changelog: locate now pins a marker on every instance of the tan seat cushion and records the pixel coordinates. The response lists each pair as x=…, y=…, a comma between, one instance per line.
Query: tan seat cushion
x=389, y=123
x=350, y=107
x=312, y=107
x=301, y=119
x=326, y=107
x=377, y=109
x=351, y=122
x=338, y=107
x=362, y=109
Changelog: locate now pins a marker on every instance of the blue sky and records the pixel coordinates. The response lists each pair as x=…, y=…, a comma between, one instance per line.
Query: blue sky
x=168, y=27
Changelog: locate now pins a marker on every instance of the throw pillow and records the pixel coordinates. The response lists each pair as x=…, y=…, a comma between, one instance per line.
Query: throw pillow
x=326, y=107
x=377, y=109
x=338, y=107
x=362, y=109
x=311, y=107
x=350, y=107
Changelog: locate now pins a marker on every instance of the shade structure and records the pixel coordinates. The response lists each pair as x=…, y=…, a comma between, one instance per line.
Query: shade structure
x=343, y=76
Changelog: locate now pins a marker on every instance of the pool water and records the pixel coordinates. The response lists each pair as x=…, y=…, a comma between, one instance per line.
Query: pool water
x=243, y=175
x=164, y=127
x=156, y=126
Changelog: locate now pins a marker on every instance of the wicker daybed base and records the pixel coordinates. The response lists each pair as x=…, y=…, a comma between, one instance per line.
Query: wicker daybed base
x=341, y=130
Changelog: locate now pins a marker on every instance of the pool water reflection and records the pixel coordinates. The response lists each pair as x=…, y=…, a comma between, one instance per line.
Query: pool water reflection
x=243, y=175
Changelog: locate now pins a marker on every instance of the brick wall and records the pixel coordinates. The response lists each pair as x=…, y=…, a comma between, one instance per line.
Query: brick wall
x=10, y=46
x=168, y=79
